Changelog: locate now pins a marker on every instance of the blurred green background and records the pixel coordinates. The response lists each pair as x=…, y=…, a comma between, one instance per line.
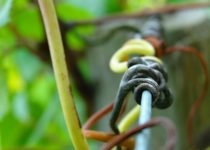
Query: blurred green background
x=30, y=112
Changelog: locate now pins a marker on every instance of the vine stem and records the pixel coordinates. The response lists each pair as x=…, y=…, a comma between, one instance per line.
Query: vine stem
x=61, y=74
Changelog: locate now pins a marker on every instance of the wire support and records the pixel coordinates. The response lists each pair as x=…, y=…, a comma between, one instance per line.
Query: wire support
x=142, y=141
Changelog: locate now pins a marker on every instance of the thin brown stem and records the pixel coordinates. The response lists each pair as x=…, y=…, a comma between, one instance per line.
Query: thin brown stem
x=105, y=137
x=98, y=115
x=170, y=140
x=204, y=91
x=146, y=12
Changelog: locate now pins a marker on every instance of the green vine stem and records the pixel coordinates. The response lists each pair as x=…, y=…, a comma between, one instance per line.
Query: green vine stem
x=61, y=74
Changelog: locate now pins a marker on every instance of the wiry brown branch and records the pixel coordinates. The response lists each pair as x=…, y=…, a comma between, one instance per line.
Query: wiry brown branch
x=97, y=116
x=197, y=103
x=166, y=123
x=105, y=137
x=146, y=12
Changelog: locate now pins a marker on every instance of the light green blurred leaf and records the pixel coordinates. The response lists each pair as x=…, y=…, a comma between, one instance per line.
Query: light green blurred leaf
x=20, y=4
x=4, y=105
x=138, y=5
x=21, y=107
x=15, y=82
x=44, y=122
x=42, y=89
x=28, y=65
x=74, y=42
x=4, y=11
x=7, y=39
x=11, y=131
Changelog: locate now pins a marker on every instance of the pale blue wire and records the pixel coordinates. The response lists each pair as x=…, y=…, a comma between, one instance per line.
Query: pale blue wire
x=142, y=140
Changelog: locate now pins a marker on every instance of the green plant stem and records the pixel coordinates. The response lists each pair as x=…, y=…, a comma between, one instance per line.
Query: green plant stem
x=61, y=74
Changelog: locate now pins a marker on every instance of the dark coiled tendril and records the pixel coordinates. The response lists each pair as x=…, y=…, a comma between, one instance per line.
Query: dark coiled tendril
x=142, y=74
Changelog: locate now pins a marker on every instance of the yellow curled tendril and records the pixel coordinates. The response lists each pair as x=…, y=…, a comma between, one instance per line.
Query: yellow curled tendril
x=132, y=47
x=129, y=119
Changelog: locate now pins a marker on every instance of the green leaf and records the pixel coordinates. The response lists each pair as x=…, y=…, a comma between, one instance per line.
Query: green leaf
x=75, y=38
x=42, y=89
x=4, y=12
x=95, y=7
x=27, y=64
x=28, y=23
x=113, y=6
x=68, y=12
x=74, y=42
x=7, y=39
x=84, y=69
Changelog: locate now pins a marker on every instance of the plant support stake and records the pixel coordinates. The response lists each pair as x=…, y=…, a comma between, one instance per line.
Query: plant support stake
x=142, y=141
x=61, y=74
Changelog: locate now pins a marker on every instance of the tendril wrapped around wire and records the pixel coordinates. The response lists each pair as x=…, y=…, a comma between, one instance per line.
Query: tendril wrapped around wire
x=143, y=74
x=156, y=82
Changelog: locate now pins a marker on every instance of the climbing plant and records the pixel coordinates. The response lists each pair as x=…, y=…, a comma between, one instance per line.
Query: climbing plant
x=30, y=110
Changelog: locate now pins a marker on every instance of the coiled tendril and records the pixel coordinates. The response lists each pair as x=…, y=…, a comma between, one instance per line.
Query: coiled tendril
x=143, y=74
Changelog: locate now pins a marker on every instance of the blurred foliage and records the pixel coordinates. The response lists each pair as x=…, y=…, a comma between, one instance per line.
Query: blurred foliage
x=30, y=113
x=4, y=13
